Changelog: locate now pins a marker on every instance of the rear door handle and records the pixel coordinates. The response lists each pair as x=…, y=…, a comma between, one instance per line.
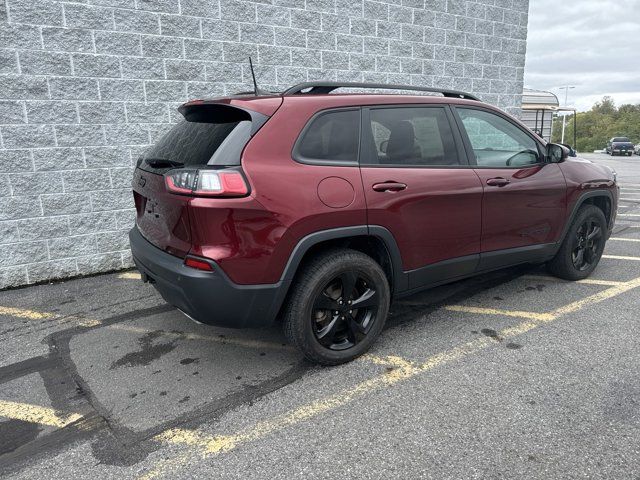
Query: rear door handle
x=498, y=182
x=389, y=187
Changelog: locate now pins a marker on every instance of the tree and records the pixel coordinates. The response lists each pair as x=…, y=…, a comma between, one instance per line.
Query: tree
x=606, y=106
x=598, y=125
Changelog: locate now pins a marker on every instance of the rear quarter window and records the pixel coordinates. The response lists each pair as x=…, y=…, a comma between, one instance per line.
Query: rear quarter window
x=330, y=138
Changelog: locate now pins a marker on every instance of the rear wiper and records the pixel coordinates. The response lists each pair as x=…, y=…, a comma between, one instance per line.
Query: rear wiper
x=162, y=163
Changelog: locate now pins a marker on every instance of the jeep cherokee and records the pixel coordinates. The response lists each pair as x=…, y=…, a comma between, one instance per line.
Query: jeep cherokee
x=319, y=208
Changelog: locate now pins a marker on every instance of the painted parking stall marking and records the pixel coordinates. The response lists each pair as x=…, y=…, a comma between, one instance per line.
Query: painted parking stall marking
x=36, y=414
x=207, y=444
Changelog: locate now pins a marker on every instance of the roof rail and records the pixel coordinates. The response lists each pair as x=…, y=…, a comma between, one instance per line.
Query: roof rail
x=328, y=87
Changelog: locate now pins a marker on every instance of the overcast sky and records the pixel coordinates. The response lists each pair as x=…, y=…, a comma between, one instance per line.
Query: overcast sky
x=593, y=45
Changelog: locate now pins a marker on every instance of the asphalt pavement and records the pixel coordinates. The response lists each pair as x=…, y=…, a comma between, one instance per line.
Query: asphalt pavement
x=514, y=374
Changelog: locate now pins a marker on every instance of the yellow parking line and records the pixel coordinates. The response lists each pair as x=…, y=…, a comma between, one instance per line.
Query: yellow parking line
x=620, y=239
x=36, y=414
x=34, y=315
x=587, y=281
x=25, y=313
x=388, y=361
x=622, y=257
x=597, y=297
x=495, y=311
x=216, y=444
x=130, y=276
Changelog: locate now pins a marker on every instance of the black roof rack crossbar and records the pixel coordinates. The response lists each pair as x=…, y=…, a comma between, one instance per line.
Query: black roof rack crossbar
x=328, y=87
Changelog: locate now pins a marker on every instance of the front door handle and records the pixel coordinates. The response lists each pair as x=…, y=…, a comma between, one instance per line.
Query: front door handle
x=389, y=187
x=498, y=182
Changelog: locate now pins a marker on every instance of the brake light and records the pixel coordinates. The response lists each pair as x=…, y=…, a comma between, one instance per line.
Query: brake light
x=198, y=264
x=210, y=183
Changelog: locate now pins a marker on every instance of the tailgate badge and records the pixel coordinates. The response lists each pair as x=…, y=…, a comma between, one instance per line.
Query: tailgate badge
x=142, y=181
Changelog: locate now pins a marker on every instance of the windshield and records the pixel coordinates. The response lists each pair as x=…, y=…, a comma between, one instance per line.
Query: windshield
x=620, y=139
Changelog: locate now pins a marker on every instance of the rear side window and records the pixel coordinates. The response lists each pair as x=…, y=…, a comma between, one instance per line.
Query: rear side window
x=418, y=136
x=330, y=137
x=208, y=135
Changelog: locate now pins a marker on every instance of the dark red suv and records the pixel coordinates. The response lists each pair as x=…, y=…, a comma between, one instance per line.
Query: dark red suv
x=318, y=208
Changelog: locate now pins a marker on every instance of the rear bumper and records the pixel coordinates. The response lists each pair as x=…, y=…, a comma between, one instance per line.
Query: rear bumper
x=207, y=297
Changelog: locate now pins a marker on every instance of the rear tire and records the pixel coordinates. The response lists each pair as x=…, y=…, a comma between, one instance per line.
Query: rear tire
x=583, y=245
x=337, y=307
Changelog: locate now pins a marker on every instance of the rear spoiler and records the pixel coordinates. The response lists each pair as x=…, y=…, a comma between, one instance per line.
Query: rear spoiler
x=201, y=111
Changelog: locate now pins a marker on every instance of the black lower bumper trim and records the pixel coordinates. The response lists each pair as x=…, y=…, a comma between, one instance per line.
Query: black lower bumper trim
x=207, y=297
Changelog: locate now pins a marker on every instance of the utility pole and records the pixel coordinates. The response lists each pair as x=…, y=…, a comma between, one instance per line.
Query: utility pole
x=566, y=94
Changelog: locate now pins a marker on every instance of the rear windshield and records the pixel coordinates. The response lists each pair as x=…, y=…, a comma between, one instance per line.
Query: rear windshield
x=620, y=139
x=207, y=136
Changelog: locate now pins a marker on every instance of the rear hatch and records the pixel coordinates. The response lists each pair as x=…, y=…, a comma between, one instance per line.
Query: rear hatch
x=210, y=136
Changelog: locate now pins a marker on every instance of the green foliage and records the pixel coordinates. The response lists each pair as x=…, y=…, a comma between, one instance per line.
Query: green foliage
x=599, y=124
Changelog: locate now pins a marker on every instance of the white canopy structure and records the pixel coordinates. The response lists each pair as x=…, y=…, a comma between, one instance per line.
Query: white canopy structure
x=538, y=108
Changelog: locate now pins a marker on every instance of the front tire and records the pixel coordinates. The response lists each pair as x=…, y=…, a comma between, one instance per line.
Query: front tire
x=582, y=247
x=337, y=307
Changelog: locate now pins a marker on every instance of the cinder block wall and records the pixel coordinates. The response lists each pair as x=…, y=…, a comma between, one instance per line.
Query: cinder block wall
x=85, y=85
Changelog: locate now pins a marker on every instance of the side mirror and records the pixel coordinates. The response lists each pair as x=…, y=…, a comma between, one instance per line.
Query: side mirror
x=556, y=153
x=572, y=152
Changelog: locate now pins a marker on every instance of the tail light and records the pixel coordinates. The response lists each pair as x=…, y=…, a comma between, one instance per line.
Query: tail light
x=207, y=183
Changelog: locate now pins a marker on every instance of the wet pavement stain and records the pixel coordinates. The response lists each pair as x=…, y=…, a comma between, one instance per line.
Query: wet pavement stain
x=148, y=351
x=187, y=361
x=538, y=287
x=513, y=346
x=184, y=399
x=491, y=333
x=15, y=433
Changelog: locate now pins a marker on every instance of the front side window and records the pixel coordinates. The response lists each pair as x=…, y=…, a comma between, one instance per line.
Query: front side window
x=496, y=142
x=416, y=136
x=330, y=137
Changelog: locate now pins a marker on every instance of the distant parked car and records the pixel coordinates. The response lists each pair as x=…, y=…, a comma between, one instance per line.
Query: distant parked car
x=636, y=149
x=620, y=145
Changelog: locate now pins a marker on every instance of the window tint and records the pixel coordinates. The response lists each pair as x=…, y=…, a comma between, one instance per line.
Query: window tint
x=210, y=134
x=496, y=142
x=332, y=136
x=411, y=136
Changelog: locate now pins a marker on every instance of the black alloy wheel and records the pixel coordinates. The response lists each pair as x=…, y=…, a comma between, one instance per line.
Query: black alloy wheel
x=582, y=247
x=337, y=306
x=587, y=241
x=344, y=311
